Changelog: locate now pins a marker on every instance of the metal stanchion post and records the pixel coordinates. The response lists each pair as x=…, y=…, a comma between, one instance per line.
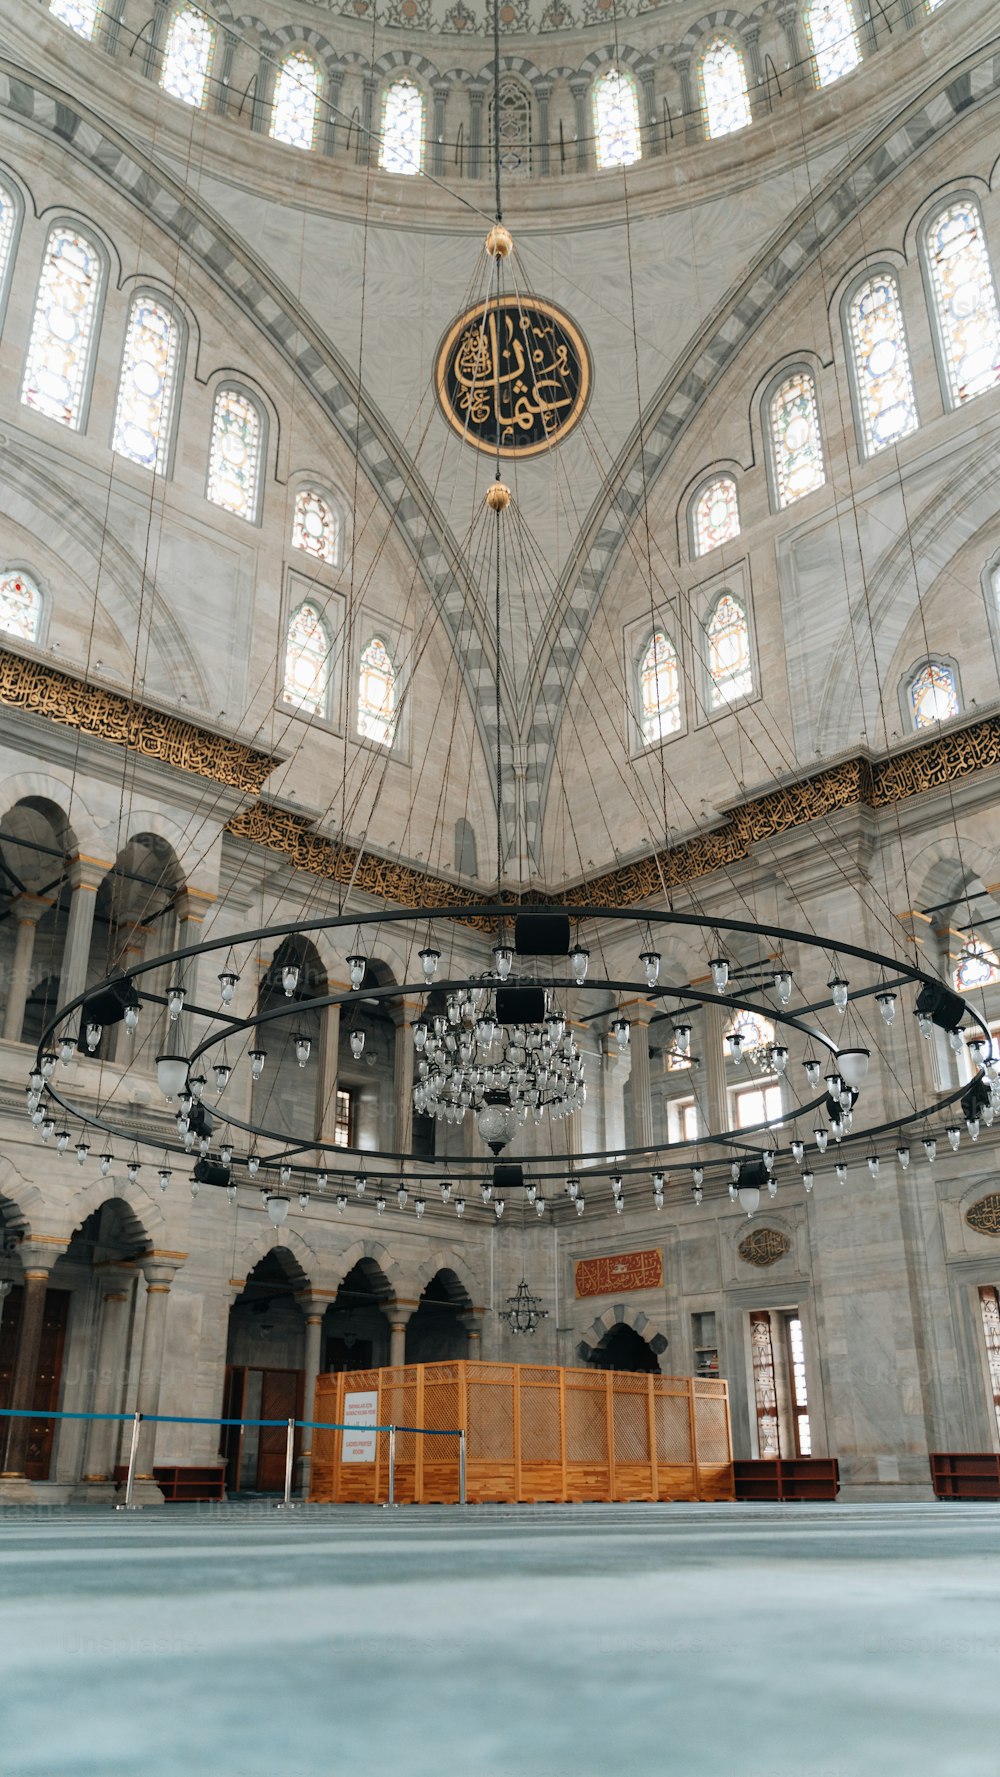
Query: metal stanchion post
x=289, y=1464
x=392, y=1465
x=130, y=1505
x=461, y=1468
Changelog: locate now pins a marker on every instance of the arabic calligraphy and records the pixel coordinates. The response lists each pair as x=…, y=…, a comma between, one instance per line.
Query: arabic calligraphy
x=622, y=1271
x=514, y=372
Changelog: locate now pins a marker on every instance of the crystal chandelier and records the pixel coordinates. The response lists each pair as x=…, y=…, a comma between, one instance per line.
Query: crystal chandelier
x=523, y=1311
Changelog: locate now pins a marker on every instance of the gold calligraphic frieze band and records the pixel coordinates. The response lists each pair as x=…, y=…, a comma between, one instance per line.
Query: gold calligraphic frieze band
x=513, y=370
x=620, y=1271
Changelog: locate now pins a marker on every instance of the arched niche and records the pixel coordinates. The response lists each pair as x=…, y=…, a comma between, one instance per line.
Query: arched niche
x=369, y=1078
x=356, y=1324
x=35, y=843
x=622, y=1348
x=286, y=1096
x=265, y=1373
x=436, y=1332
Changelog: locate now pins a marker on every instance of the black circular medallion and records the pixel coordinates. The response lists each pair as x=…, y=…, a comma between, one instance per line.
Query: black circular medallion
x=514, y=370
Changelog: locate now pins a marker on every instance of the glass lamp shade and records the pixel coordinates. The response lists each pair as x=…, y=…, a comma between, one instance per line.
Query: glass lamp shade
x=93, y=1033
x=720, y=973
x=698, y=1176
x=650, y=960
x=303, y=1199
x=539, y=1206
x=496, y=1123
x=171, y=1075
x=402, y=1196
x=285, y=1174
x=253, y=1164
x=886, y=1003
x=175, y=1001
x=807, y=1180
x=48, y=1064
x=303, y=1049
x=579, y=962
x=107, y=1161
x=749, y=1196
x=357, y=965
x=290, y=979
x=622, y=1031
x=682, y=1038
x=460, y=1206
x=357, y=1044
x=82, y=1150
x=164, y=1177
x=257, y=1060
x=853, y=1065
x=580, y=1206
x=131, y=1019
x=429, y=958
x=277, y=1209
x=838, y=992
x=228, y=983
x=783, y=985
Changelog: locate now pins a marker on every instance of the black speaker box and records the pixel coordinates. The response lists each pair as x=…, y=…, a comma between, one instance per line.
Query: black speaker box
x=541, y=934
x=520, y=1005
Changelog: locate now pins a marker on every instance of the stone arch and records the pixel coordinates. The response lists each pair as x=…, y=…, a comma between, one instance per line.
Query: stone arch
x=22, y=1204
x=616, y=55
x=620, y=1314
x=402, y=61
x=725, y=21
x=390, y=1268
x=526, y=70
x=443, y=1258
x=82, y=833
x=263, y=1242
x=136, y=1200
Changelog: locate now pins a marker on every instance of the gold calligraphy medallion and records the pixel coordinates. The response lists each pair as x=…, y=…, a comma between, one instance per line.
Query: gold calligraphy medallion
x=515, y=369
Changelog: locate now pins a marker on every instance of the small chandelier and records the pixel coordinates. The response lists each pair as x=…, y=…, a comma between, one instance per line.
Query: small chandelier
x=523, y=1311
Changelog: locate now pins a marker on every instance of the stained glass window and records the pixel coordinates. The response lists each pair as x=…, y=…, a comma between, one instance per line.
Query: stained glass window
x=402, y=147
x=933, y=695
x=724, y=88
x=316, y=526
x=795, y=441
x=764, y=1385
x=989, y=1305
x=20, y=607
x=978, y=966
x=616, y=120
x=308, y=659
x=797, y=1377
x=882, y=363
x=79, y=15
x=965, y=300
x=757, y=1033
x=146, y=389
x=55, y=374
x=187, y=56
x=729, y=652
x=832, y=39
x=296, y=99
x=8, y=217
x=659, y=690
x=234, y=460
x=515, y=129
x=377, y=693
x=715, y=516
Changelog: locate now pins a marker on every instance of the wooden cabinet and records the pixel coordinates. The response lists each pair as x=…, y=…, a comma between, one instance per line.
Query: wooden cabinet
x=189, y=1483
x=787, y=1477
x=965, y=1474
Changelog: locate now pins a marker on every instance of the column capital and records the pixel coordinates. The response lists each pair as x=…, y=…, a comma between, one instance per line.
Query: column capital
x=158, y=1272
x=39, y=1254
x=88, y=873
x=28, y=909
x=192, y=904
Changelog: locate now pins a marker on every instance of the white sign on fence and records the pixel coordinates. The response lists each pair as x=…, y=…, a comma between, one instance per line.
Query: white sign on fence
x=360, y=1410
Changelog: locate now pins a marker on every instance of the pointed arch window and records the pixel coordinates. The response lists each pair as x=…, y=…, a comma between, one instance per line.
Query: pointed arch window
x=187, y=56
x=884, y=381
x=20, y=606
x=715, y=514
x=402, y=145
x=659, y=689
x=932, y=695
x=965, y=299
x=616, y=120
x=377, y=693
x=8, y=222
x=978, y=966
x=296, y=101
x=146, y=389
x=235, y=456
x=308, y=662
x=724, y=95
x=515, y=128
x=62, y=331
x=80, y=15
x=316, y=526
x=729, y=666
x=796, y=445
x=832, y=39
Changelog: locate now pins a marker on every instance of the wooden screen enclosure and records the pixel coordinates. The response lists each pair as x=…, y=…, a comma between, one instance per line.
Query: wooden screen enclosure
x=533, y=1433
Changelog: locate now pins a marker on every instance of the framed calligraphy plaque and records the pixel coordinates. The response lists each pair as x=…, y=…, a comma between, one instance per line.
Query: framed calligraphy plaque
x=514, y=368
x=622, y=1271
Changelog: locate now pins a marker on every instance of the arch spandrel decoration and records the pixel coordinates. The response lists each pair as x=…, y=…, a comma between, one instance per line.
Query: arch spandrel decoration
x=984, y=1216
x=765, y=1246
x=518, y=367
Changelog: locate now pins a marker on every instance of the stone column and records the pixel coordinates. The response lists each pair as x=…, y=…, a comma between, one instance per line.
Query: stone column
x=471, y=1324
x=615, y=1075
x=639, y=1078
x=154, y=42
x=402, y=1079
x=27, y=910
x=789, y=20
x=85, y=877
x=716, y=1021
x=102, y=1434
x=334, y=88
x=313, y=1310
x=326, y=1073
x=159, y=1274
x=440, y=96
x=755, y=72
x=37, y=1264
x=260, y=111
x=224, y=72
x=130, y=951
x=691, y=112
x=544, y=166
x=189, y=911
x=367, y=146
x=651, y=134
x=579, y=89
x=399, y=1319
x=475, y=133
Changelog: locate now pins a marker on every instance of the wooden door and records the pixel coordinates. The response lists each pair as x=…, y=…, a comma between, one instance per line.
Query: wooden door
x=280, y=1398
x=47, y=1377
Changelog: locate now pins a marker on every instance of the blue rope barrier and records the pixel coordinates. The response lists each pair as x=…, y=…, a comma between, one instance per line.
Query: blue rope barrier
x=188, y=1419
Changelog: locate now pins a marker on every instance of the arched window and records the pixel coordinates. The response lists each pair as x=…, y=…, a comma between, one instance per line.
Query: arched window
x=80, y=15
x=515, y=128
x=978, y=966
x=62, y=332
x=377, y=693
x=659, y=689
x=316, y=526
x=932, y=695
x=235, y=456
x=146, y=389
x=8, y=222
x=616, y=120
x=402, y=147
x=729, y=665
x=20, y=606
x=724, y=88
x=296, y=100
x=965, y=299
x=715, y=514
x=832, y=39
x=756, y=1035
x=308, y=661
x=187, y=56
x=888, y=408
x=796, y=446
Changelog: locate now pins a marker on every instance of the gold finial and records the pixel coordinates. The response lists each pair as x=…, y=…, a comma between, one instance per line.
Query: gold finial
x=499, y=241
x=498, y=497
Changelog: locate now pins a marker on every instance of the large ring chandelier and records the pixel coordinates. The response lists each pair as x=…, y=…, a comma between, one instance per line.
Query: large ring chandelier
x=501, y=1049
